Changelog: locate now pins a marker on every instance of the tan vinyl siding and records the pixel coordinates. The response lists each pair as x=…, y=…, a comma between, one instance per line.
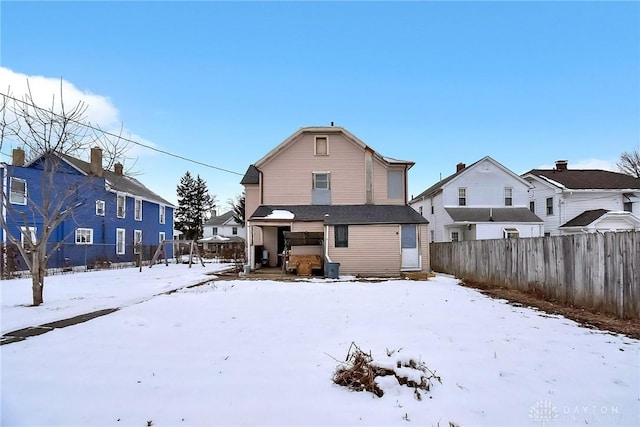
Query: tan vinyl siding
x=252, y=199
x=287, y=177
x=373, y=250
x=380, y=185
x=308, y=226
x=424, y=247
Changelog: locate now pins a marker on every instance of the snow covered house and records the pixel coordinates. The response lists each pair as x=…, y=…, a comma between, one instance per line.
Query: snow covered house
x=484, y=200
x=113, y=217
x=324, y=194
x=584, y=200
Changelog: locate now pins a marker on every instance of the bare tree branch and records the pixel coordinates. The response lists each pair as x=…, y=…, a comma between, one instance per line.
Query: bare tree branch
x=630, y=163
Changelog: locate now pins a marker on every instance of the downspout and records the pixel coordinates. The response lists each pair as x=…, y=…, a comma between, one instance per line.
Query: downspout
x=326, y=248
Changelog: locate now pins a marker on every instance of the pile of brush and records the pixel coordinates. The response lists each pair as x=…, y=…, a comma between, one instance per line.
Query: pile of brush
x=359, y=372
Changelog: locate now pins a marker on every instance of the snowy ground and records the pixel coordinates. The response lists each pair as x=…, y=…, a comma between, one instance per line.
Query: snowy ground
x=263, y=353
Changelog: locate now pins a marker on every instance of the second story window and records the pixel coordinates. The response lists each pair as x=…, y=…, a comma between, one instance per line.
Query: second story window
x=234, y=230
x=321, y=146
x=532, y=207
x=549, y=205
x=162, y=214
x=28, y=237
x=138, y=210
x=18, y=194
x=462, y=197
x=214, y=231
x=320, y=181
x=120, y=205
x=395, y=180
x=420, y=210
x=100, y=207
x=508, y=196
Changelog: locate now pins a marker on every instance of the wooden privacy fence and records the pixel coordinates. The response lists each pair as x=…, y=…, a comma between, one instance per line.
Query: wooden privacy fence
x=598, y=271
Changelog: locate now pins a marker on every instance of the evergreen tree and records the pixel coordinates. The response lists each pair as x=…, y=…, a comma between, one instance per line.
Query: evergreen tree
x=194, y=206
x=238, y=209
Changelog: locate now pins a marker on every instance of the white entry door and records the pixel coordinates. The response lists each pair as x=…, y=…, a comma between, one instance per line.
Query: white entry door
x=410, y=250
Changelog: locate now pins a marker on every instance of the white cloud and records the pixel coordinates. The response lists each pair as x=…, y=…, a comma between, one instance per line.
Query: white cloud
x=46, y=93
x=100, y=110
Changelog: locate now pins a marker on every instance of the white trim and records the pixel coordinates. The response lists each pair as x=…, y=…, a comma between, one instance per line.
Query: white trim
x=121, y=232
x=104, y=207
x=315, y=145
x=24, y=195
x=121, y=213
x=137, y=214
x=88, y=241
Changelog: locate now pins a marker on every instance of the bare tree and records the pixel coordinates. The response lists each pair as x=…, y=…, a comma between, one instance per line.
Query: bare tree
x=630, y=163
x=45, y=137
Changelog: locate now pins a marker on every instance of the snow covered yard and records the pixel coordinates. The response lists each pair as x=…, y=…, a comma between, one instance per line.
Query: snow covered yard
x=263, y=353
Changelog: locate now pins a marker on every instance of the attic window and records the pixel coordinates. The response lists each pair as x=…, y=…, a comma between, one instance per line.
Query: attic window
x=508, y=196
x=321, y=146
x=18, y=195
x=462, y=197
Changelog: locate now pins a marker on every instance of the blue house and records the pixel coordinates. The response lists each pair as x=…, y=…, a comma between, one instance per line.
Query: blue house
x=107, y=217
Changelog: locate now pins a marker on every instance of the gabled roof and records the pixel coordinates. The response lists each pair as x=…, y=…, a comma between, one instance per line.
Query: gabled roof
x=473, y=215
x=586, y=179
x=120, y=183
x=585, y=218
x=328, y=130
x=434, y=189
x=251, y=176
x=220, y=219
x=345, y=214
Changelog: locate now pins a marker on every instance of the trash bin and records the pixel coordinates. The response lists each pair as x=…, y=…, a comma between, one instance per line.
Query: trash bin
x=333, y=270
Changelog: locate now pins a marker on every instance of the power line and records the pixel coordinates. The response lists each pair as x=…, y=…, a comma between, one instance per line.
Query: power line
x=90, y=126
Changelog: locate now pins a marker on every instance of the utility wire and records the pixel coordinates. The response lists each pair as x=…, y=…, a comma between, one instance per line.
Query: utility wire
x=90, y=126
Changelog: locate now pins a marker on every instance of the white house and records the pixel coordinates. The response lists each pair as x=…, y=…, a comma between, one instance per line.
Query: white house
x=584, y=200
x=484, y=200
x=222, y=231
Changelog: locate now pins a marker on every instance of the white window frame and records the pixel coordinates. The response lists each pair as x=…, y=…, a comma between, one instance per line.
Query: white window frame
x=457, y=236
x=317, y=152
x=462, y=196
x=121, y=206
x=121, y=247
x=162, y=236
x=162, y=214
x=84, y=236
x=549, y=206
x=137, y=241
x=508, y=196
x=23, y=232
x=137, y=209
x=100, y=207
x=315, y=175
x=17, y=198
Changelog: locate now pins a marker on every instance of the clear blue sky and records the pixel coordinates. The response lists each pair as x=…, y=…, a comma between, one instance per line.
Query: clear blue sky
x=438, y=83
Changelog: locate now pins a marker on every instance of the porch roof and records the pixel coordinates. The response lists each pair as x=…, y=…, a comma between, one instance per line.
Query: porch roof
x=492, y=215
x=345, y=214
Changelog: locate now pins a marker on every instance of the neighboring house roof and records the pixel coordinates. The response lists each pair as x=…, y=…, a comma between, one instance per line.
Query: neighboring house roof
x=122, y=183
x=221, y=219
x=434, y=189
x=586, y=179
x=345, y=214
x=223, y=240
x=498, y=215
x=585, y=218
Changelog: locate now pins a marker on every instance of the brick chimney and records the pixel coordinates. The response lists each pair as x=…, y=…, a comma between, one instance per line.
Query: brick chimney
x=117, y=168
x=561, y=165
x=18, y=157
x=460, y=166
x=96, y=161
